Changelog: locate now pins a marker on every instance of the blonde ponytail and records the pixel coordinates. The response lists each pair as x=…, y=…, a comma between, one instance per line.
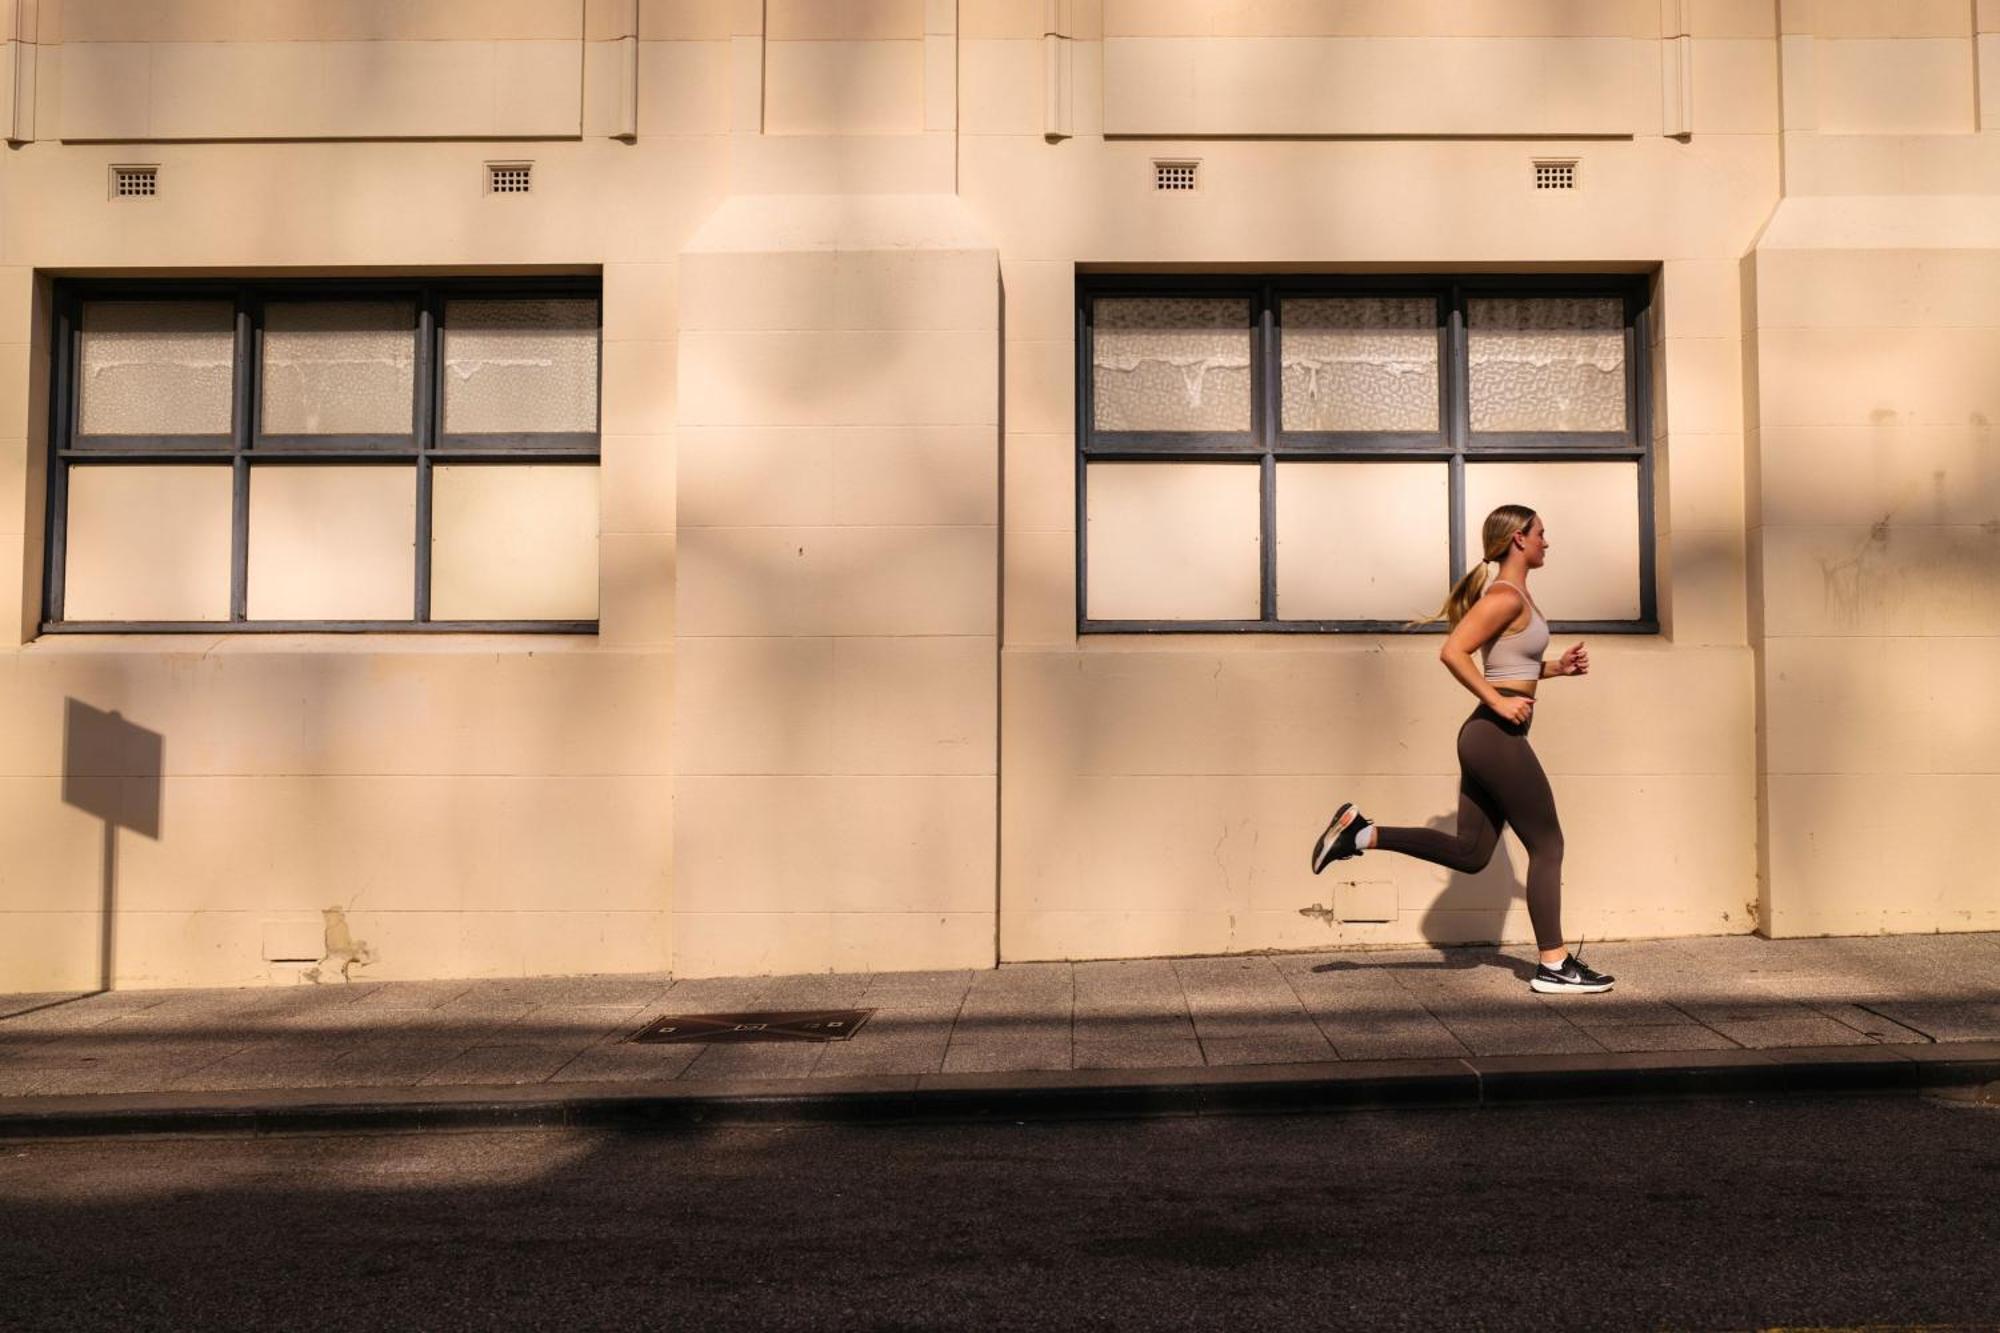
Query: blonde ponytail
x=1495, y=534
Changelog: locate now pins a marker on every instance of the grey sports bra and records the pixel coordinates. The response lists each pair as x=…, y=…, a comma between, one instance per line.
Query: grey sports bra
x=1518, y=656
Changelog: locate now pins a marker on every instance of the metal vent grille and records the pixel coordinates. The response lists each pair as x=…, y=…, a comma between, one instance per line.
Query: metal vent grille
x=135, y=182
x=509, y=177
x=1558, y=175
x=1176, y=176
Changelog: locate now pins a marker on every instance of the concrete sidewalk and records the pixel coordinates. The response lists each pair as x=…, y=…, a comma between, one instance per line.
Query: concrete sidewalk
x=1363, y=1028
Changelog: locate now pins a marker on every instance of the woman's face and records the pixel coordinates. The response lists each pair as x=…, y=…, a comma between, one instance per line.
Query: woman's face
x=1534, y=542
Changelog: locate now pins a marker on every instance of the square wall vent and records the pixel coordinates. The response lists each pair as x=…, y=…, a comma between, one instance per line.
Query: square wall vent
x=1177, y=176
x=1555, y=173
x=510, y=177
x=135, y=182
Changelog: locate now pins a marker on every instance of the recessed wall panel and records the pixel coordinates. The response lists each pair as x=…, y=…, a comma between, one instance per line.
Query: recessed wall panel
x=148, y=543
x=1591, y=514
x=1173, y=541
x=333, y=543
x=1362, y=541
x=514, y=542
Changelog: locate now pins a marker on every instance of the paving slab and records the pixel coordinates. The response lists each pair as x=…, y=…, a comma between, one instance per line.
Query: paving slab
x=1945, y=1020
x=791, y=1059
x=1666, y=1037
x=624, y=1062
x=1137, y=1053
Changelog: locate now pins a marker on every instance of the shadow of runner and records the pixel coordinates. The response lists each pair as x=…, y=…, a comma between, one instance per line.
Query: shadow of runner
x=1467, y=921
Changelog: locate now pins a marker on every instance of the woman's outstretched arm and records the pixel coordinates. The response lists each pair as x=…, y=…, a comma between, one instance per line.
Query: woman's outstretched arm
x=1574, y=662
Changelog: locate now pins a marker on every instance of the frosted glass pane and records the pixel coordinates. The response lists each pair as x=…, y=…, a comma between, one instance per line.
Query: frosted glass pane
x=1547, y=363
x=340, y=368
x=157, y=367
x=514, y=543
x=1360, y=363
x=1171, y=364
x=1173, y=541
x=520, y=366
x=148, y=543
x=1363, y=541
x=1591, y=513
x=333, y=543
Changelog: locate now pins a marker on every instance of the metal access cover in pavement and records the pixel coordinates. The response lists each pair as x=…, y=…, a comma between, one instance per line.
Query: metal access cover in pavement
x=810, y=1025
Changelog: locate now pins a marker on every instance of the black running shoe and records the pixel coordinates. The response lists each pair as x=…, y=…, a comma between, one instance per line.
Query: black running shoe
x=1572, y=978
x=1337, y=843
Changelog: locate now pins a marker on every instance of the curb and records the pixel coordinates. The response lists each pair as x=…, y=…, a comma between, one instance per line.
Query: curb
x=1066, y=1094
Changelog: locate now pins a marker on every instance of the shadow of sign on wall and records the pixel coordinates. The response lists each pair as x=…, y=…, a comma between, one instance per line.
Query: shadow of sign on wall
x=111, y=769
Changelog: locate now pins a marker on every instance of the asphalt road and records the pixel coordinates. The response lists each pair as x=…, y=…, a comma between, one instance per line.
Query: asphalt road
x=1881, y=1211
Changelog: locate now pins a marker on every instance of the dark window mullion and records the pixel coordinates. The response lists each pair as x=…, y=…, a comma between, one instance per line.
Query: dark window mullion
x=1085, y=420
x=243, y=424
x=1639, y=409
x=429, y=410
x=66, y=345
x=1264, y=416
x=1457, y=373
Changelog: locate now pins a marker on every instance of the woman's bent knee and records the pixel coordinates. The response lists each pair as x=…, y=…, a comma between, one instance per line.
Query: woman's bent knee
x=1470, y=859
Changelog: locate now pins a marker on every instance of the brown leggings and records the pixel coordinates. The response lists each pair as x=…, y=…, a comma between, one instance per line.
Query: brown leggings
x=1500, y=782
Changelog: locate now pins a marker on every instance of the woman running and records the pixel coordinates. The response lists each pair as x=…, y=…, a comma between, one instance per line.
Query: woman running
x=1500, y=780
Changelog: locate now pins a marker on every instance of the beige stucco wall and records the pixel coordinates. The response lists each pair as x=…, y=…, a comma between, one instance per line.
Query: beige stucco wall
x=1159, y=794
x=835, y=718
x=1875, y=578
x=472, y=805
x=839, y=714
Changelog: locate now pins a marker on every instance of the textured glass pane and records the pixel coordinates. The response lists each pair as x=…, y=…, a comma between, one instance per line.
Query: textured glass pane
x=1388, y=557
x=520, y=366
x=484, y=517
x=148, y=543
x=1171, y=364
x=333, y=543
x=1547, y=363
x=1591, y=513
x=340, y=368
x=1173, y=541
x=1360, y=363
x=157, y=367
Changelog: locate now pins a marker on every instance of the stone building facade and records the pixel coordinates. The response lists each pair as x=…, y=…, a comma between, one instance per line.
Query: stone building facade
x=551, y=486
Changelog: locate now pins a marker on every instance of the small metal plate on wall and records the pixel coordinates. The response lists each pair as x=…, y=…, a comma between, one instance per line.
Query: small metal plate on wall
x=808, y=1025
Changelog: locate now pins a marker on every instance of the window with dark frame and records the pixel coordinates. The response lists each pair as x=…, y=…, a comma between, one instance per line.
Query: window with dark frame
x=330, y=455
x=1315, y=454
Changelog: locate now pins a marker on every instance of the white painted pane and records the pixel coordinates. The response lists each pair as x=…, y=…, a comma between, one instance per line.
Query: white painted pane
x=1547, y=363
x=156, y=367
x=340, y=368
x=513, y=542
x=1171, y=364
x=1363, y=541
x=1591, y=511
x=333, y=543
x=1360, y=363
x=148, y=543
x=1173, y=541
x=520, y=366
